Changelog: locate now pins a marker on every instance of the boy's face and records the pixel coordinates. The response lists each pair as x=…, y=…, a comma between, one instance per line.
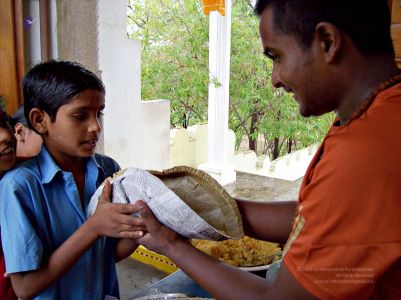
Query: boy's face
x=7, y=144
x=76, y=129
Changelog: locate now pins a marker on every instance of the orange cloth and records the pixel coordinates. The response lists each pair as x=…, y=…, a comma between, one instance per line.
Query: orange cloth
x=346, y=238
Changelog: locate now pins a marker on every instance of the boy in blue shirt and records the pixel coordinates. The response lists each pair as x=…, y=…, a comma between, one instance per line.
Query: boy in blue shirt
x=52, y=250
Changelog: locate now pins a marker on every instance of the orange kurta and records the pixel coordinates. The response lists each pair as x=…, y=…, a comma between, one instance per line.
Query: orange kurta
x=346, y=240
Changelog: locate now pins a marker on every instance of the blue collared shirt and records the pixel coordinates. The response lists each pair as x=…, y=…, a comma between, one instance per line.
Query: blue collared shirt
x=39, y=209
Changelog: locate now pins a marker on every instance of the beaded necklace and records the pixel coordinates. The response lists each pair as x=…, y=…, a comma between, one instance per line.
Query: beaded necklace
x=366, y=104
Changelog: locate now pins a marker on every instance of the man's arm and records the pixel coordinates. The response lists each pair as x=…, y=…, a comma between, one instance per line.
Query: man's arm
x=269, y=221
x=109, y=220
x=218, y=278
x=224, y=283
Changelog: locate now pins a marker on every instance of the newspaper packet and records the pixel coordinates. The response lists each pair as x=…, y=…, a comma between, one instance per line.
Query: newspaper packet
x=186, y=200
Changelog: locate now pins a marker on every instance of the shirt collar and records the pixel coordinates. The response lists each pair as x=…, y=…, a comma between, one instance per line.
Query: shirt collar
x=50, y=167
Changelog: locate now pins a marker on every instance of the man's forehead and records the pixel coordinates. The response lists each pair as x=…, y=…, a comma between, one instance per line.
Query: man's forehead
x=266, y=27
x=266, y=21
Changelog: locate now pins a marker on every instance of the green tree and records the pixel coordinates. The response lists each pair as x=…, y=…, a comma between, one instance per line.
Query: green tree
x=174, y=36
x=257, y=108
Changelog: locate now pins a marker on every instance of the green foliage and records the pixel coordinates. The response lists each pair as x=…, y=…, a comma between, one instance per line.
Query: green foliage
x=175, y=35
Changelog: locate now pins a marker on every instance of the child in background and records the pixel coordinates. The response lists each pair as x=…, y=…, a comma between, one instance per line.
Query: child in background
x=52, y=250
x=28, y=141
x=7, y=161
x=7, y=144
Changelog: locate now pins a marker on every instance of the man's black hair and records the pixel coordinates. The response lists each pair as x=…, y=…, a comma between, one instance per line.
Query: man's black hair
x=366, y=22
x=51, y=84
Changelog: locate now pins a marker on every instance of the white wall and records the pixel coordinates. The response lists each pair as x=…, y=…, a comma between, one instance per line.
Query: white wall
x=182, y=148
x=153, y=135
x=135, y=133
x=199, y=134
x=190, y=146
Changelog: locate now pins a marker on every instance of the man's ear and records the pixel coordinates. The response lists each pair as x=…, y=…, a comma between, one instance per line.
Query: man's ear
x=19, y=132
x=330, y=40
x=38, y=119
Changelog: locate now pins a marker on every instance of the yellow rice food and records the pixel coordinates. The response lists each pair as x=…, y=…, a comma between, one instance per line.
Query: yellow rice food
x=245, y=252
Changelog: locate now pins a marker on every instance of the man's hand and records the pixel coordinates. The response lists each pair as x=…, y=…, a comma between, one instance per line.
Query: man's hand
x=114, y=219
x=223, y=284
x=157, y=237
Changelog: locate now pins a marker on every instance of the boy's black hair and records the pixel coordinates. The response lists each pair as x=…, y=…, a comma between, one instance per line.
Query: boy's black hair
x=19, y=117
x=51, y=84
x=366, y=22
x=5, y=120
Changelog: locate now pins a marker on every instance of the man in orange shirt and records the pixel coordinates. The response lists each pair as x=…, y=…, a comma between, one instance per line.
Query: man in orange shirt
x=345, y=239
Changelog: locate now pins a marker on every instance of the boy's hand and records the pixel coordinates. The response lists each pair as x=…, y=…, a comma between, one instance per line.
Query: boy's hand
x=158, y=237
x=114, y=219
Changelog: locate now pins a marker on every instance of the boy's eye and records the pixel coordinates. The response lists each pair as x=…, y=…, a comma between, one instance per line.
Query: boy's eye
x=100, y=114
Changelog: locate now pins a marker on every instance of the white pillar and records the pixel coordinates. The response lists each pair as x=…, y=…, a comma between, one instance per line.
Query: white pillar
x=218, y=102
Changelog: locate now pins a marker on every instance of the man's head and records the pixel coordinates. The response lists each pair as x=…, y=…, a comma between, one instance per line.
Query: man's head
x=49, y=85
x=319, y=47
x=366, y=22
x=7, y=143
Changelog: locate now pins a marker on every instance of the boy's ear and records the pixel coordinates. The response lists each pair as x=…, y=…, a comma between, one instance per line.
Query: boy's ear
x=38, y=120
x=19, y=132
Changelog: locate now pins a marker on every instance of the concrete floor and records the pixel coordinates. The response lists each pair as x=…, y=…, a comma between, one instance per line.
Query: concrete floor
x=261, y=188
x=135, y=275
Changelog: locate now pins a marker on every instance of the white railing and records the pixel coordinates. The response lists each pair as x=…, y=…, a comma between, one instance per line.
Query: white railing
x=189, y=147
